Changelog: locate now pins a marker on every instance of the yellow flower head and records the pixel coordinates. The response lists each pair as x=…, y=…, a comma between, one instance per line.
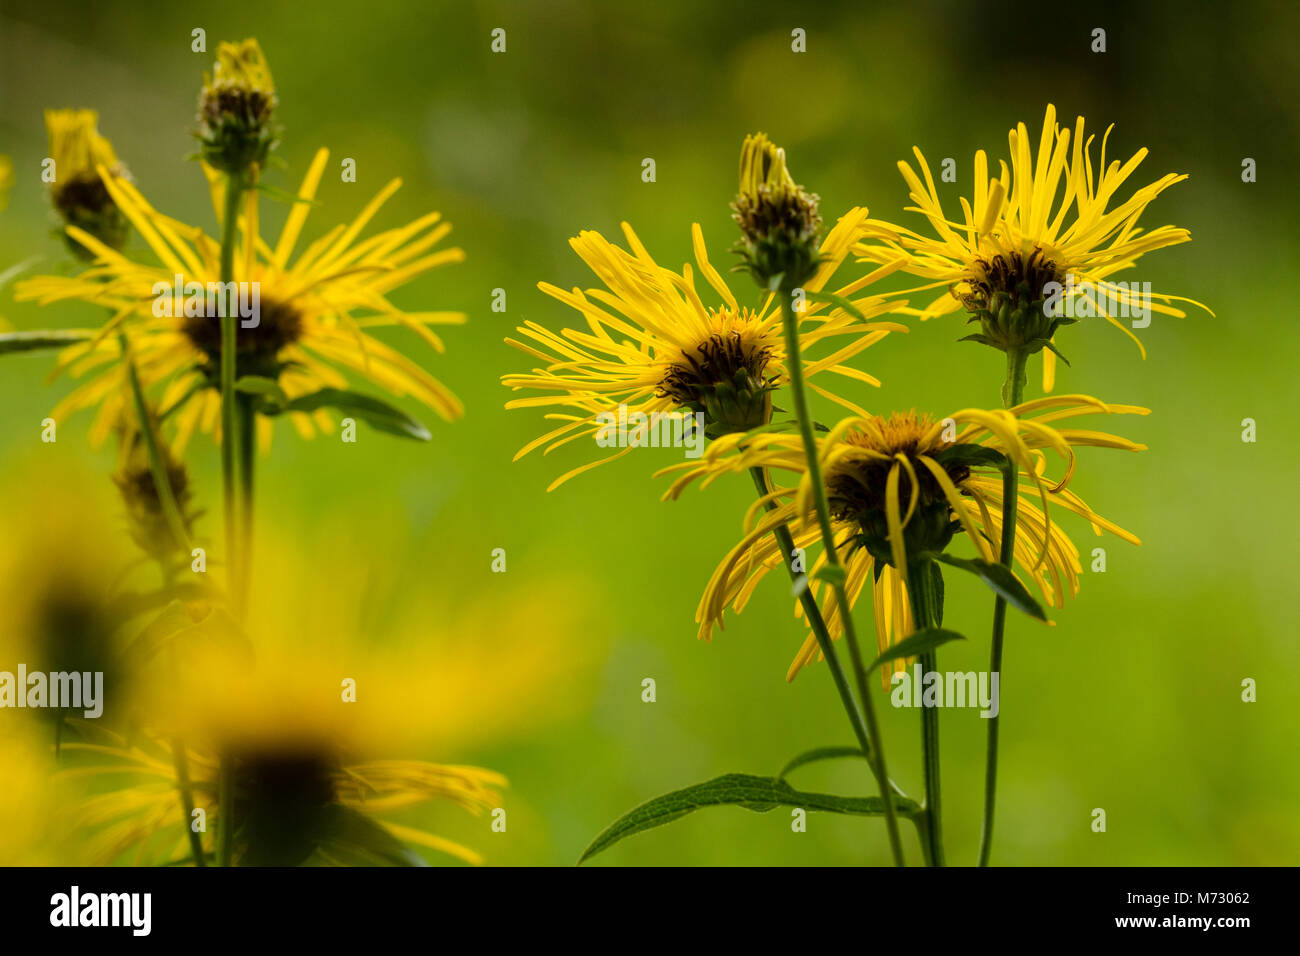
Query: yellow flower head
x=902, y=485
x=1037, y=247
x=314, y=310
x=324, y=721
x=77, y=193
x=6, y=180
x=778, y=219
x=652, y=345
x=235, y=109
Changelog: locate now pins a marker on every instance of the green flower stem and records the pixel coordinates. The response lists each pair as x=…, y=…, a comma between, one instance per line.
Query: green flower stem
x=794, y=365
x=226, y=809
x=229, y=225
x=927, y=613
x=818, y=626
x=229, y=439
x=246, y=420
x=157, y=465
x=181, y=761
x=1013, y=390
x=815, y=621
x=1014, y=386
x=167, y=497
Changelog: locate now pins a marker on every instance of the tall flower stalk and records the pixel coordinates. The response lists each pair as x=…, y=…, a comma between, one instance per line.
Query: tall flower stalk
x=780, y=228
x=1040, y=247
x=235, y=112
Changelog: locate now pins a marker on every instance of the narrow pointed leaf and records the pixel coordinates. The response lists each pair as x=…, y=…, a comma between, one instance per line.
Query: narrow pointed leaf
x=34, y=341
x=1001, y=580
x=759, y=794
x=375, y=412
x=917, y=643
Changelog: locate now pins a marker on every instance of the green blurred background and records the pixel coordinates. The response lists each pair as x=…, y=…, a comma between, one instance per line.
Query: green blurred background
x=1131, y=703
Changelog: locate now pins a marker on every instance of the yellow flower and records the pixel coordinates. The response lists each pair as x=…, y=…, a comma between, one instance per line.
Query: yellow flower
x=297, y=802
x=235, y=109
x=6, y=180
x=653, y=345
x=77, y=192
x=1045, y=219
x=34, y=806
x=315, y=308
x=331, y=711
x=905, y=485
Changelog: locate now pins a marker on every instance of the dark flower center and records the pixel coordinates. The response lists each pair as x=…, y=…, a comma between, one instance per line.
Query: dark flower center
x=1009, y=276
x=256, y=347
x=719, y=360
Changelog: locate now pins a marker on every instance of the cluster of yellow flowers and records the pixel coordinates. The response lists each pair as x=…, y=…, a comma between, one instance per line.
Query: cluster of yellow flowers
x=883, y=494
x=233, y=731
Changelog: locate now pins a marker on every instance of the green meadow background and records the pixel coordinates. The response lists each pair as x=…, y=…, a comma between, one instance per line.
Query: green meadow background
x=1132, y=703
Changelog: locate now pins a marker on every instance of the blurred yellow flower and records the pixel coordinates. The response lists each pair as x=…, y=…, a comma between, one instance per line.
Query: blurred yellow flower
x=77, y=192
x=35, y=805
x=306, y=329
x=319, y=714
x=6, y=180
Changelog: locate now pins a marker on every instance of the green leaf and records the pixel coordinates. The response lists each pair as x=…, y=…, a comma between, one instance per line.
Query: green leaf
x=937, y=573
x=34, y=341
x=817, y=754
x=1001, y=580
x=268, y=389
x=375, y=412
x=758, y=794
x=353, y=839
x=916, y=644
x=972, y=456
x=832, y=574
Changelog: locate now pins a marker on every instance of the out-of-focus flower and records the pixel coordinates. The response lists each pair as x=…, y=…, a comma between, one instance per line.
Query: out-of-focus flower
x=236, y=108
x=313, y=312
x=77, y=192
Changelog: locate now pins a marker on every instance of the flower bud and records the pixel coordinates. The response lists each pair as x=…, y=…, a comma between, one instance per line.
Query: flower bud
x=779, y=223
x=78, y=194
x=235, y=109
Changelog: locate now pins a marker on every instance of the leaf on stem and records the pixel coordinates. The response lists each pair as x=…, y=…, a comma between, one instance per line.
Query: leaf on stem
x=916, y=644
x=758, y=794
x=1000, y=579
